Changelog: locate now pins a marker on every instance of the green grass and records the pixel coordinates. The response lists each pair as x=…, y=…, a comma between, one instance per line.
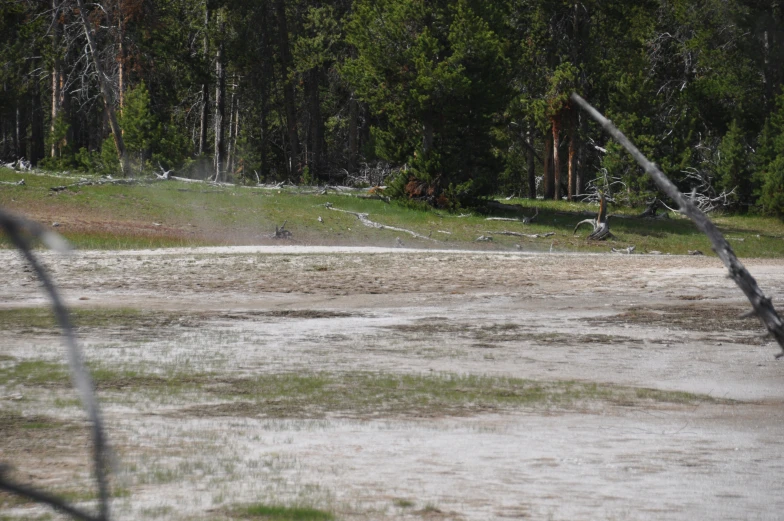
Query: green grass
x=31, y=319
x=283, y=513
x=173, y=213
x=355, y=394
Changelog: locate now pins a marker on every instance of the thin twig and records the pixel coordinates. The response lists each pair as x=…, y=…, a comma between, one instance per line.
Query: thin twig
x=761, y=304
x=81, y=379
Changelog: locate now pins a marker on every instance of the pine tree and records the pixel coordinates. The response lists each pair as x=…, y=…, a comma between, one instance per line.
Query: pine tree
x=140, y=127
x=733, y=168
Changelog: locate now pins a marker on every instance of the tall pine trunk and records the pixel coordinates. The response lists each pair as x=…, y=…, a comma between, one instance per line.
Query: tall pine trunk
x=205, y=86
x=548, y=180
x=531, y=163
x=220, y=104
x=288, y=89
x=57, y=73
x=573, y=189
x=556, y=123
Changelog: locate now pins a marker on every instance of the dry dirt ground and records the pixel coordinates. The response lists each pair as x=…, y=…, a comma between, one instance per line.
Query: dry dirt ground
x=199, y=333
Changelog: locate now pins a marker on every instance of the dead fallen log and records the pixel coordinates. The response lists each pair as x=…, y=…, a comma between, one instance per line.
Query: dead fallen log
x=89, y=182
x=517, y=208
x=21, y=182
x=363, y=218
x=529, y=235
x=524, y=219
x=763, y=307
x=600, y=223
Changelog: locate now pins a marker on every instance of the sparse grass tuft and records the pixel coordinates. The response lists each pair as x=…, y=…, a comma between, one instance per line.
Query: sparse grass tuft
x=282, y=513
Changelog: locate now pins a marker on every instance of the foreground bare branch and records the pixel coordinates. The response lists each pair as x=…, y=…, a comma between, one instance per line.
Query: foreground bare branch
x=762, y=305
x=16, y=228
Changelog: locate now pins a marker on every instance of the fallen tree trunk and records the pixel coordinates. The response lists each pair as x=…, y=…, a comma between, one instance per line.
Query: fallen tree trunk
x=363, y=218
x=524, y=219
x=529, y=235
x=762, y=305
x=99, y=183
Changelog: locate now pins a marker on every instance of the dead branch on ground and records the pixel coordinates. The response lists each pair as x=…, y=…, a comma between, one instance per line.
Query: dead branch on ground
x=363, y=218
x=529, y=235
x=763, y=307
x=524, y=219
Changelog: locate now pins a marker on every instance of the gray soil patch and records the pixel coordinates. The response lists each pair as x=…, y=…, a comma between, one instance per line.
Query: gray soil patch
x=250, y=375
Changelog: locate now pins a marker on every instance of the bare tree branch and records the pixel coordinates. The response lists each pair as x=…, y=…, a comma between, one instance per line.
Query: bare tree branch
x=15, y=227
x=761, y=304
x=43, y=497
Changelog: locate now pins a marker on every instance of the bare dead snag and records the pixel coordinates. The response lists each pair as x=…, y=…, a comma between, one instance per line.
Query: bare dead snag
x=763, y=307
x=600, y=223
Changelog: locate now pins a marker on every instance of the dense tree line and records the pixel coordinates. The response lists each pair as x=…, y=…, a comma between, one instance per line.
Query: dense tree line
x=455, y=98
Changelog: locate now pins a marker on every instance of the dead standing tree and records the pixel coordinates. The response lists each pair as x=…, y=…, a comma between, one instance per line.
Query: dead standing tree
x=106, y=88
x=16, y=228
x=600, y=223
x=762, y=305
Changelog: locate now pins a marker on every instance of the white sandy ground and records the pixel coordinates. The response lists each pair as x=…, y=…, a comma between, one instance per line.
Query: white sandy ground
x=701, y=461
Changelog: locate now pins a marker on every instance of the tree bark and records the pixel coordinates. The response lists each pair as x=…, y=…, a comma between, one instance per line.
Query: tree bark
x=547, y=179
x=288, y=89
x=556, y=123
x=106, y=92
x=220, y=104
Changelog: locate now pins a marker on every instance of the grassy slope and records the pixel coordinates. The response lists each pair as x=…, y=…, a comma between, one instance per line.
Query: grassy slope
x=175, y=213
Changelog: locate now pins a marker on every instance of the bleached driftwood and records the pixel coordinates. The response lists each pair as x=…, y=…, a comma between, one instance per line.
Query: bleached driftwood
x=529, y=235
x=763, y=307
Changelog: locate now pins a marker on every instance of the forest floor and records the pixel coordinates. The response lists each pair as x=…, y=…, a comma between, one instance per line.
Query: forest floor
x=375, y=383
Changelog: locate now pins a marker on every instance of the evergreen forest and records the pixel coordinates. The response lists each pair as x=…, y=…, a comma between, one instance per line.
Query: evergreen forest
x=443, y=102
